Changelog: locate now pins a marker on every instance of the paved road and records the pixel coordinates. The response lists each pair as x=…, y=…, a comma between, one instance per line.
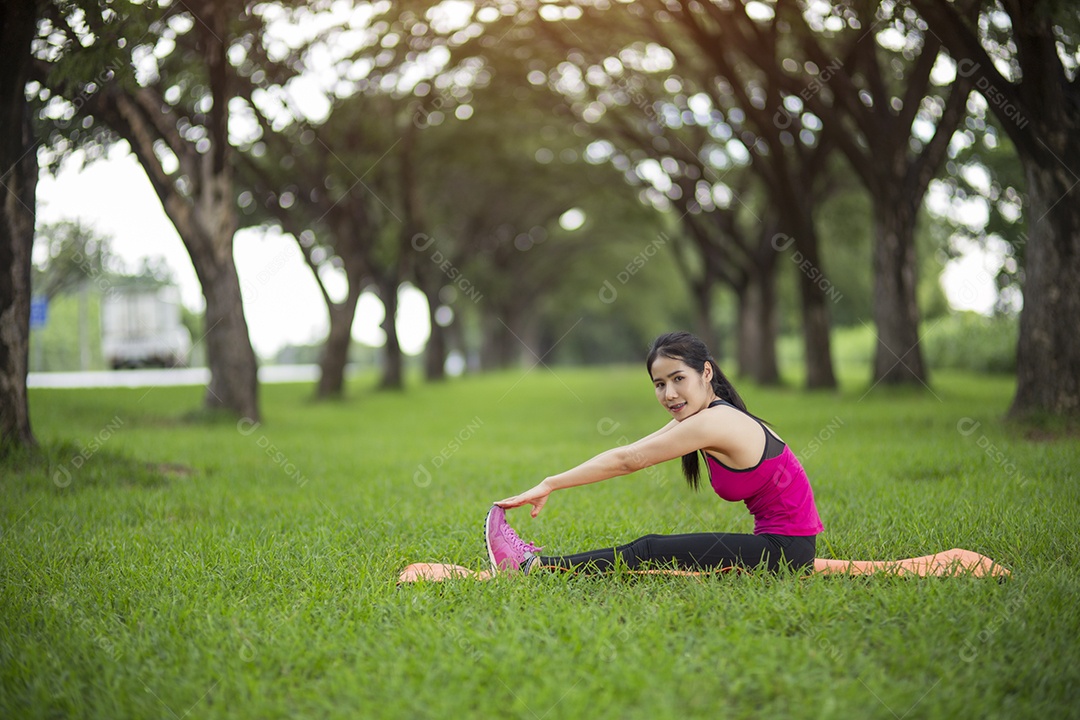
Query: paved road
x=160, y=378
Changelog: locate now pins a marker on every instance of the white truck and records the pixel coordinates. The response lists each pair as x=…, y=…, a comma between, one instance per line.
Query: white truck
x=141, y=327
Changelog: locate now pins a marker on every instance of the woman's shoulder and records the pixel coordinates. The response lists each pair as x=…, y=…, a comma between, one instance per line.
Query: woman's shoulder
x=726, y=418
x=728, y=411
x=750, y=427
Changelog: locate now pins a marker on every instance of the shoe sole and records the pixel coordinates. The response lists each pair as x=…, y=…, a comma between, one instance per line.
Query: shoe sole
x=487, y=539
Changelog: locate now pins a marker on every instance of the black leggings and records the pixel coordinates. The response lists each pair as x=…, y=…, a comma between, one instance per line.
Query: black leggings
x=697, y=551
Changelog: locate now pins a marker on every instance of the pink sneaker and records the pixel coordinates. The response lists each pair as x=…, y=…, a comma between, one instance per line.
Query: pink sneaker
x=506, y=550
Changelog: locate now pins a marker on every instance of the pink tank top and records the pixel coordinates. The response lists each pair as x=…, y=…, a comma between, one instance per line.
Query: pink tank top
x=776, y=492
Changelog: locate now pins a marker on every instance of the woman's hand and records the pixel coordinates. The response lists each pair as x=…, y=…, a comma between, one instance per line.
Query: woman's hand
x=536, y=497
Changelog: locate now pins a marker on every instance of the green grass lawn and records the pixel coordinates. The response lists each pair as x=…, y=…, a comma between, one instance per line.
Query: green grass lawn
x=153, y=564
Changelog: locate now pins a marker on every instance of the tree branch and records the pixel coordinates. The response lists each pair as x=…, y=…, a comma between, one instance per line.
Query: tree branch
x=972, y=60
x=918, y=80
x=925, y=165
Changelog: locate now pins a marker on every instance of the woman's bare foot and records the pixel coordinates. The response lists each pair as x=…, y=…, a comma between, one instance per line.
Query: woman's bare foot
x=437, y=572
x=959, y=562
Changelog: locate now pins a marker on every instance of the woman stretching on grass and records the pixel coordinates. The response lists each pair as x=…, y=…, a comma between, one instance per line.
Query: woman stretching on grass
x=745, y=461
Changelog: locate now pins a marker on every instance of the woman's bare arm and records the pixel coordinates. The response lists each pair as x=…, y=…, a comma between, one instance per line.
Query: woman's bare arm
x=670, y=442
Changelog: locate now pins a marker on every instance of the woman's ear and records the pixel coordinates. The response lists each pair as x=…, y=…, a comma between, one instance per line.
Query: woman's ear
x=707, y=372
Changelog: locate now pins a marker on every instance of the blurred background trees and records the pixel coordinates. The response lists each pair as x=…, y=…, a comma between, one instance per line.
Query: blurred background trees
x=563, y=180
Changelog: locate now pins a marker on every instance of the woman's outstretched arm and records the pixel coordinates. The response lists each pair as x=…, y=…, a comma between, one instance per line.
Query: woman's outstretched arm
x=606, y=465
x=668, y=443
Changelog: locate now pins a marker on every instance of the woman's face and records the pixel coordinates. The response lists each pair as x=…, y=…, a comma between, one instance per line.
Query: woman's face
x=682, y=390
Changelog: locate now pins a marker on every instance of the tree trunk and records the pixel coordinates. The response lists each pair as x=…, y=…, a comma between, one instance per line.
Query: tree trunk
x=746, y=358
x=1038, y=112
x=489, y=359
x=815, y=311
x=204, y=214
x=496, y=350
x=234, y=381
x=335, y=354
x=701, y=300
x=456, y=341
x=234, y=372
x=528, y=343
x=436, y=348
x=16, y=240
x=898, y=357
x=757, y=330
x=393, y=363
x=795, y=225
x=19, y=168
x=206, y=228
x=1048, y=352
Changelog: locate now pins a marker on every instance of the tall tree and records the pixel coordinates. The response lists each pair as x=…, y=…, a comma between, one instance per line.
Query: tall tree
x=733, y=240
x=314, y=181
x=870, y=85
x=514, y=251
x=684, y=167
x=167, y=90
x=18, y=185
x=347, y=184
x=617, y=83
x=500, y=172
x=790, y=158
x=1031, y=82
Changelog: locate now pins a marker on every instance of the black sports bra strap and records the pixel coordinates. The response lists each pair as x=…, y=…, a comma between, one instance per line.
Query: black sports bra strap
x=774, y=446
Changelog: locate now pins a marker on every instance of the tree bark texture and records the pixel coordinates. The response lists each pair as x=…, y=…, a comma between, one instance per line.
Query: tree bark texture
x=791, y=172
x=231, y=359
x=1048, y=353
x=898, y=356
x=204, y=214
x=817, y=344
x=393, y=377
x=701, y=299
x=335, y=352
x=18, y=173
x=889, y=168
x=757, y=330
x=436, y=348
x=1039, y=112
x=498, y=348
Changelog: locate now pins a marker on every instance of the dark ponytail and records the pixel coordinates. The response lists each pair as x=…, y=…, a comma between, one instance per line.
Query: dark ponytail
x=692, y=351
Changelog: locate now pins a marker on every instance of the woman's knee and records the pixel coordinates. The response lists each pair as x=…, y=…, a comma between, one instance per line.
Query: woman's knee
x=638, y=550
x=646, y=541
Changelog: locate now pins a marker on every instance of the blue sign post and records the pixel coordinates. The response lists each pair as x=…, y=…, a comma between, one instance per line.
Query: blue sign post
x=39, y=312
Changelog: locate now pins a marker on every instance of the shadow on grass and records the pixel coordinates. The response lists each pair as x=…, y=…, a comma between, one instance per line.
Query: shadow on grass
x=1042, y=427
x=68, y=467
